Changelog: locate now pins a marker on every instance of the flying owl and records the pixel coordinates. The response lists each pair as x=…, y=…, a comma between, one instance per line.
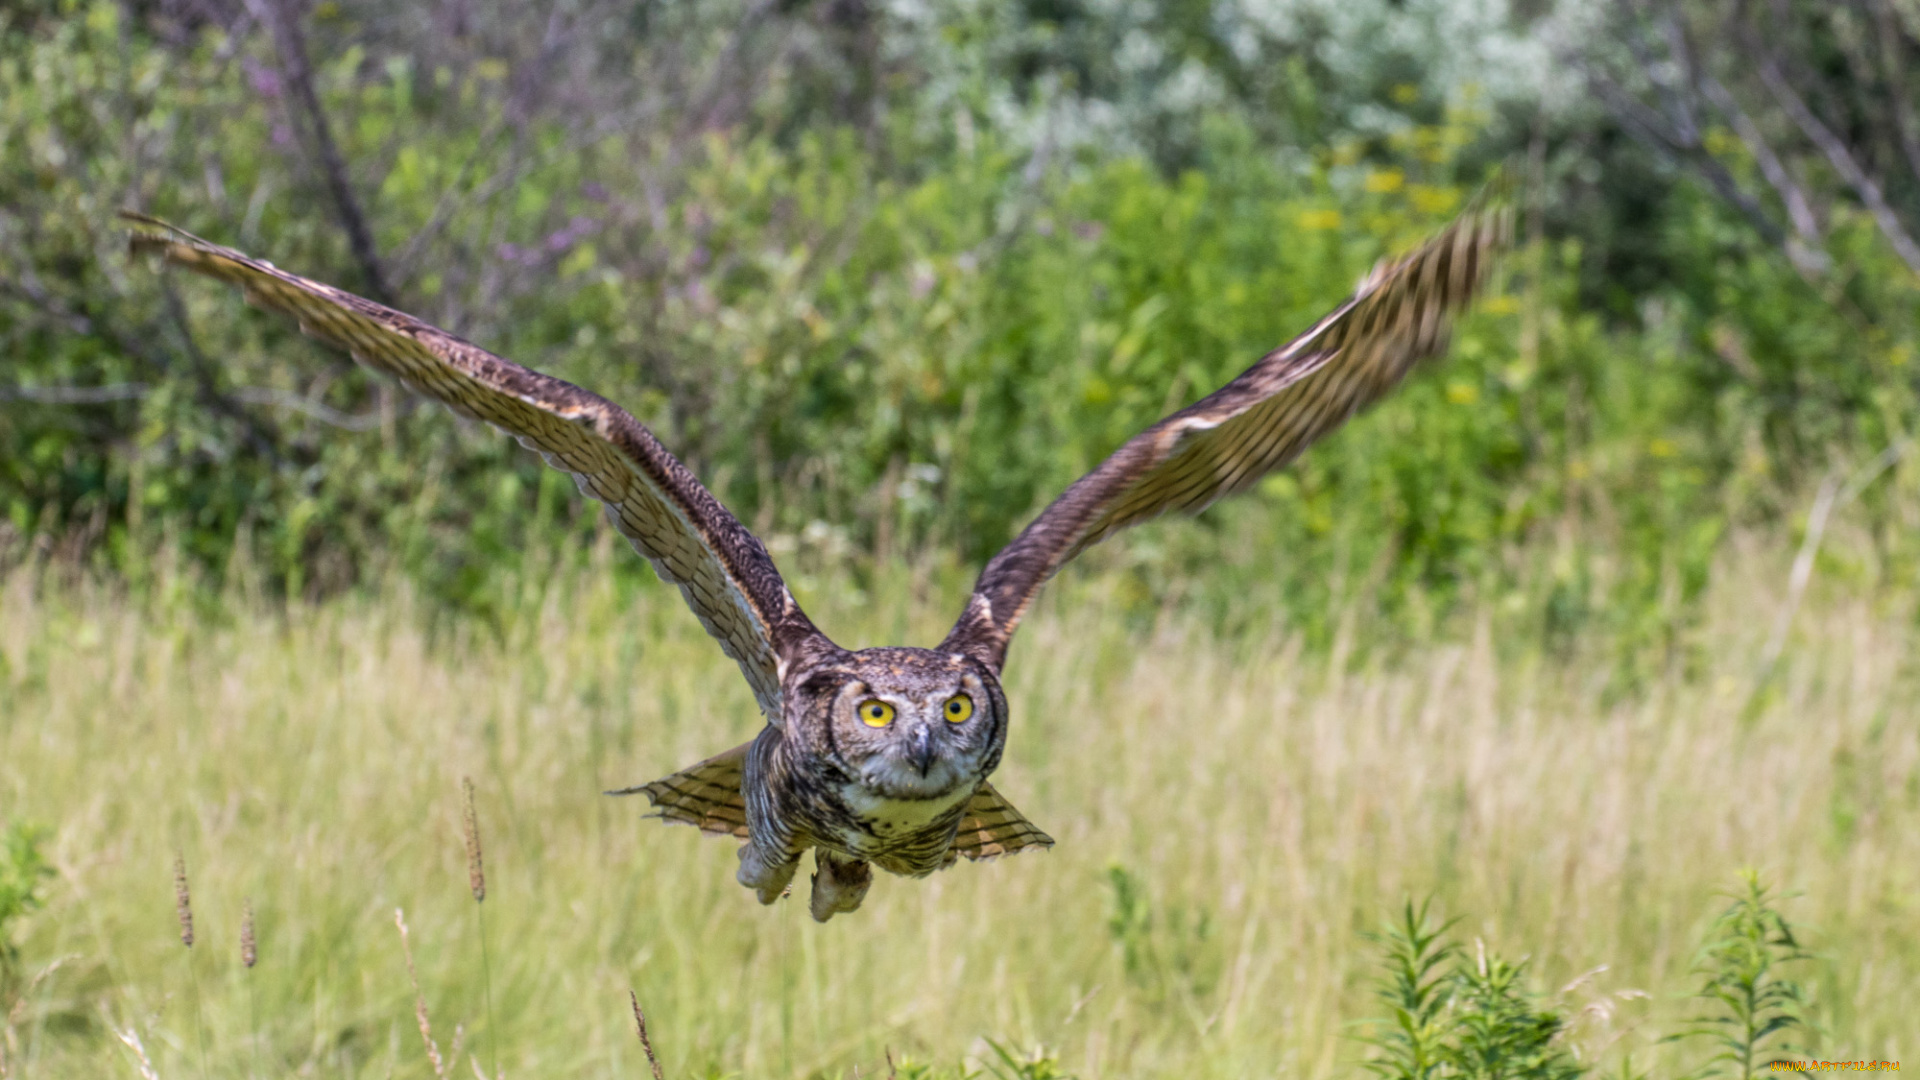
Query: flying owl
x=880, y=757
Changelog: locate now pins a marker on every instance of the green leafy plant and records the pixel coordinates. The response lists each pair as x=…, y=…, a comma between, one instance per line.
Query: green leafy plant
x=1502, y=1030
x=1453, y=1018
x=868, y=341
x=1413, y=988
x=1752, y=1011
x=1038, y=1065
x=1163, y=948
x=22, y=869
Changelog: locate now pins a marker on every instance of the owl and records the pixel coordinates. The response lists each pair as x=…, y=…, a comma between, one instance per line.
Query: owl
x=881, y=757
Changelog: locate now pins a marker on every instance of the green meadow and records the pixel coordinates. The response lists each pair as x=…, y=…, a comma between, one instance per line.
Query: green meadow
x=1233, y=815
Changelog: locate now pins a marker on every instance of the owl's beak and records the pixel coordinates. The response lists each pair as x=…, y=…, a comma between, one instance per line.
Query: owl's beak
x=920, y=748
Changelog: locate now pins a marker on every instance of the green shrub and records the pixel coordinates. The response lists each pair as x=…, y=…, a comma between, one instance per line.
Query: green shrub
x=872, y=340
x=22, y=870
x=1450, y=1017
x=1752, y=1010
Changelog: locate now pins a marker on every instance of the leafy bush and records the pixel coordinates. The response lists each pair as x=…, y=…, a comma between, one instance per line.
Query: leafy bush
x=1450, y=1017
x=1752, y=1010
x=871, y=336
x=22, y=870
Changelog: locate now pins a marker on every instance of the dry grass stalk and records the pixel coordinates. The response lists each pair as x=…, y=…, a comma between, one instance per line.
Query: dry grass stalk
x=25, y=997
x=420, y=1001
x=640, y=1022
x=183, y=907
x=132, y=1039
x=249, y=955
x=9, y=1039
x=476, y=868
x=477, y=884
x=182, y=900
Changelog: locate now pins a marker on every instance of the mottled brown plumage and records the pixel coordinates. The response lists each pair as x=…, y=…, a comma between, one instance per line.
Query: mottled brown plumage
x=880, y=757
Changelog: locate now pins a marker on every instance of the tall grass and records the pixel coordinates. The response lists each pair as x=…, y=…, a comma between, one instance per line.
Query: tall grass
x=1233, y=814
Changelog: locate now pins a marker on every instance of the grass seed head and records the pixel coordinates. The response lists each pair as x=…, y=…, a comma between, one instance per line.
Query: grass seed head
x=420, y=1000
x=249, y=952
x=182, y=900
x=640, y=1022
x=470, y=822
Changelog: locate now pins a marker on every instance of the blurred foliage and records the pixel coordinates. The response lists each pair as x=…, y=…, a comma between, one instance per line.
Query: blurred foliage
x=1167, y=951
x=880, y=309
x=23, y=869
x=1752, y=1009
x=1449, y=1017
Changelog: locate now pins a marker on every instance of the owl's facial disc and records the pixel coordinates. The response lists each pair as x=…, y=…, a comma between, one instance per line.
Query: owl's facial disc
x=914, y=726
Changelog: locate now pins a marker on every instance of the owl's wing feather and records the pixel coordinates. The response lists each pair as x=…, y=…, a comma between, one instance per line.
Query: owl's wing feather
x=1253, y=425
x=707, y=795
x=692, y=541
x=992, y=828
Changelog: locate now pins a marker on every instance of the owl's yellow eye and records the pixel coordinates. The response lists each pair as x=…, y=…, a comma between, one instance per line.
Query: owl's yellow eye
x=959, y=707
x=875, y=713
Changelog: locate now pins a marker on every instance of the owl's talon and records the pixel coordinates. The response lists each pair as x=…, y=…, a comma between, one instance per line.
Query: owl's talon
x=839, y=885
x=769, y=880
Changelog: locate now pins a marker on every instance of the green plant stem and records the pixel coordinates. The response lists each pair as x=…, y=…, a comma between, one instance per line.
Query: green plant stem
x=199, y=1016
x=253, y=1022
x=486, y=985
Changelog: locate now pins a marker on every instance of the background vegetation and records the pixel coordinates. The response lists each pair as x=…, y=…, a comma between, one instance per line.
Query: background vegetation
x=1610, y=604
x=1234, y=816
x=889, y=281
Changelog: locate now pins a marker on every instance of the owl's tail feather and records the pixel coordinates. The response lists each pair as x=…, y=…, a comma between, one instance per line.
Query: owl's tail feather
x=992, y=828
x=706, y=796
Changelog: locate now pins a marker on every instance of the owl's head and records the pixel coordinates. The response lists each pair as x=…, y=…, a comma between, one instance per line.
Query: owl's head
x=903, y=723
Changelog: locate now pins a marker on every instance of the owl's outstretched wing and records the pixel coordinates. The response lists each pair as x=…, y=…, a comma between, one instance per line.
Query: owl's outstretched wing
x=705, y=795
x=1259, y=422
x=654, y=501
x=992, y=828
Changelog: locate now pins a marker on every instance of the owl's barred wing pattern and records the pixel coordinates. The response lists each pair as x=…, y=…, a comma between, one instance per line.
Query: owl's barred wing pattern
x=706, y=796
x=992, y=828
x=725, y=573
x=1258, y=422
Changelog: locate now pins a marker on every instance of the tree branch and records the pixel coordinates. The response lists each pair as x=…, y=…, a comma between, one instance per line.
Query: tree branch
x=251, y=395
x=1837, y=155
x=74, y=395
x=210, y=394
x=1806, y=253
x=1887, y=30
x=1652, y=129
x=291, y=47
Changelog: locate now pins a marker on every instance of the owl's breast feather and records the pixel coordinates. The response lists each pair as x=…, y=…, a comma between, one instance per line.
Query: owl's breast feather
x=890, y=818
x=889, y=826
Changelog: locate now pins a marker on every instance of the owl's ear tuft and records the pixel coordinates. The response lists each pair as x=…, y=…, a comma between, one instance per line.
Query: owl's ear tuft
x=822, y=683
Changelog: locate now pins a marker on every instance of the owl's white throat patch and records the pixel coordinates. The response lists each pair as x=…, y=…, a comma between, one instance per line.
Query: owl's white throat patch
x=892, y=818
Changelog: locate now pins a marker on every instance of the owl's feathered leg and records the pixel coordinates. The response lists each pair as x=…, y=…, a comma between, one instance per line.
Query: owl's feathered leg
x=772, y=851
x=838, y=884
x=767, y=873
